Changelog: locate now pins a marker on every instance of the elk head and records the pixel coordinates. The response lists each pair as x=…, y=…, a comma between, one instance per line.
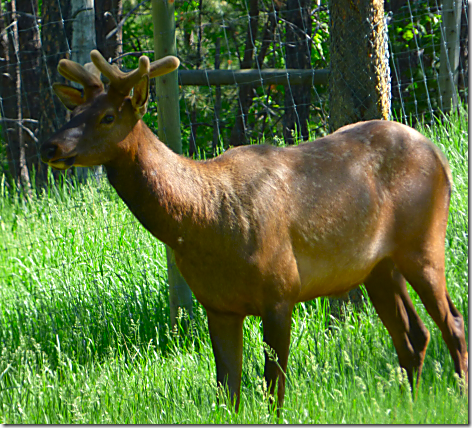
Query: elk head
x=101, y=120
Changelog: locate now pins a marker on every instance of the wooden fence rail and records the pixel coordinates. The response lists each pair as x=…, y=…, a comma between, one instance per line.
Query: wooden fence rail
x=269, y=76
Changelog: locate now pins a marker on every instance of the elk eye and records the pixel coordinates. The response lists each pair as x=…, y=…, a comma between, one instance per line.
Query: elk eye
x=109, y=118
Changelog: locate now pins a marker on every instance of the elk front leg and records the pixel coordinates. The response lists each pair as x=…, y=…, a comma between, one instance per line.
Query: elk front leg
x=226, y=333
x=277, y=323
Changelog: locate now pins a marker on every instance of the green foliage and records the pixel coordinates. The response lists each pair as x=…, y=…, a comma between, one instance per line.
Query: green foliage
x=198, y=27
x=415, y=39
x=84, y=335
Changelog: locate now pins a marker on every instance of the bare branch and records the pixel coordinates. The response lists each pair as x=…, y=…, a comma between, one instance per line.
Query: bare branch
x=122, y=22
x=6, y=119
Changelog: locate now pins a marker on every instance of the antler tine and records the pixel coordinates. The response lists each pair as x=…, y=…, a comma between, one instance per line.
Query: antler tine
x=164, y=65
x=86, y=77
x=120, y=81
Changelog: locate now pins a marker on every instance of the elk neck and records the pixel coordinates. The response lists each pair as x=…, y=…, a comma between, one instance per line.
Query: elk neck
x=165, y=191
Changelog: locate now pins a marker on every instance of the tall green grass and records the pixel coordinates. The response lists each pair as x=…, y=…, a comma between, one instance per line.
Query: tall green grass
x=84, y=335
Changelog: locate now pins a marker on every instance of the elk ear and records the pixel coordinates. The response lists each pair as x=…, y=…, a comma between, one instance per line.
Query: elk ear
x=69, y=96
x=141, y=95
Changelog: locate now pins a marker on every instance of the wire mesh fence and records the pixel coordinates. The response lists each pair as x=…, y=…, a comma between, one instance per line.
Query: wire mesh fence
x=286, y=48
x=255, y=71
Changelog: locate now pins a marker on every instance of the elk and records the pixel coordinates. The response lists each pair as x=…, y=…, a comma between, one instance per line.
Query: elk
x=260, y=228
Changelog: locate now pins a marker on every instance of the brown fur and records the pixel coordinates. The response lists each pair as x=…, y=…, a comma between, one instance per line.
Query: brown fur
x=260, y=228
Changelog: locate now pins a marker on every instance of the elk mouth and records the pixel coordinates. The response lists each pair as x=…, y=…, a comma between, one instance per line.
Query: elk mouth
x=62, y=163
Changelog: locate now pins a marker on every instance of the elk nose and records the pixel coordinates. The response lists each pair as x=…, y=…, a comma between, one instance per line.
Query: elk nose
x=48, y=151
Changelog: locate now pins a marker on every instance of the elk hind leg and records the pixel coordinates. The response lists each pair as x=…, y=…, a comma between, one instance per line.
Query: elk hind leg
x=387, y=290
x=424, y=270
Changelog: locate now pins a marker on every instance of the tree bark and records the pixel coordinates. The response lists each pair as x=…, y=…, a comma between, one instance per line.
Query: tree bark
x=359, y=83
x=12, y=115
x=107, y=16
x=55, y=41
x=216, y=121
x=8, y=77
x=463, y=83
x=193, y=109
x=83, y=41
x=29, y=54
x=450, y=48
x=239, y=132
x=297, y=99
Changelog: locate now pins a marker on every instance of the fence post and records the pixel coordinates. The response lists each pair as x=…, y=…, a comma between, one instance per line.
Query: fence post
x=167, y=91
x=449, y=60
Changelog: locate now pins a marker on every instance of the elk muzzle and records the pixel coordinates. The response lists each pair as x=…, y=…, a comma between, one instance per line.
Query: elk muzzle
x=52, y=154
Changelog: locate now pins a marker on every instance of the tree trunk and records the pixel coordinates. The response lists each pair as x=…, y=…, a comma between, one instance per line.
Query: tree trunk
x=450, y=48
x=359, y=82
x=167, y=91
x=55, y=40
x=463, y=83
x=29, y=67
x=297, y=98
x=83, y=41
x=239, y=132
x=107, y=17
x=10, y=89
x=216, y=120
x=193, y=109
